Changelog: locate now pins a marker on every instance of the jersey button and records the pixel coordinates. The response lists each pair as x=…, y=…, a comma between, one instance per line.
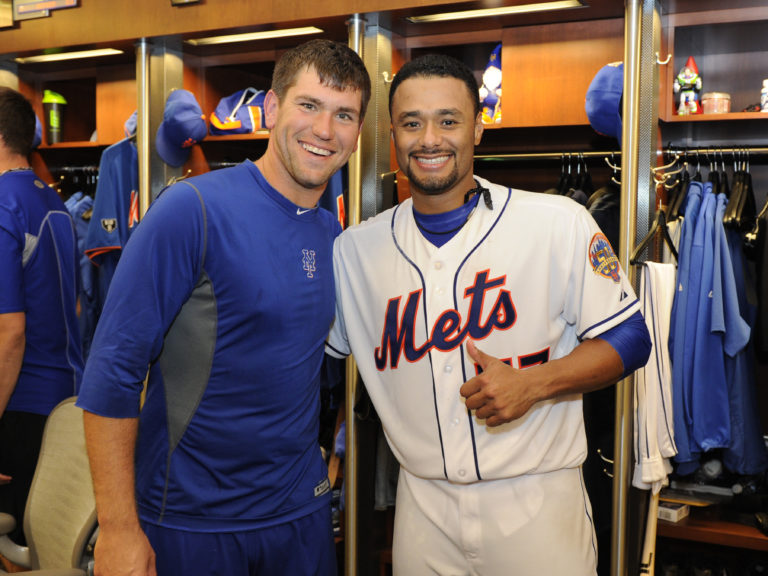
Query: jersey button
x=455, y=422
x=438, y=265
x=462, y=472
x=448, y=369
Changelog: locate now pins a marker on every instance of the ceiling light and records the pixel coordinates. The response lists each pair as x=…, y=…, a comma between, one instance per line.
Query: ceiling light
x=67, y=56
x=265, y=35
x=505, y=11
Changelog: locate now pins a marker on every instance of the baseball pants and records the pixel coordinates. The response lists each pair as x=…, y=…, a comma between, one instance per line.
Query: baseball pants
x=527, y=526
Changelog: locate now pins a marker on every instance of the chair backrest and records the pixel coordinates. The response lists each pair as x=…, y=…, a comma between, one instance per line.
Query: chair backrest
x=60, y=514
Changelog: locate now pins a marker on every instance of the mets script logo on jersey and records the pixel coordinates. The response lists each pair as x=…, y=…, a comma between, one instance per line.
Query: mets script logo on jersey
x=399, y=334
x=309, y=262
x=602, y=258
x=109, y=224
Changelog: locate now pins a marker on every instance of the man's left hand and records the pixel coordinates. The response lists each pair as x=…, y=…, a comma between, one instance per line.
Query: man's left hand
x=500, y=393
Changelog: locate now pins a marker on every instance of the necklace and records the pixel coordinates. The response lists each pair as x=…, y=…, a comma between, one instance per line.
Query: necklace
x=19, y=169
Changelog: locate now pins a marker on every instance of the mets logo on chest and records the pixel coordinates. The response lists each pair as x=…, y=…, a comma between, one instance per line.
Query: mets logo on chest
x=308, y=260
x=602, y=258
x=449, y=330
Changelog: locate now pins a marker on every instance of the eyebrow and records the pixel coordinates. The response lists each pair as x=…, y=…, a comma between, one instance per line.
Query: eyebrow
x=317, y=101
x=439, y=113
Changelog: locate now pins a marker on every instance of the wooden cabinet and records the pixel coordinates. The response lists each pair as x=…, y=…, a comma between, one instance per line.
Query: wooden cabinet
x=709, y=527
x=547, y=70
x=730, y=48
x=99, y=101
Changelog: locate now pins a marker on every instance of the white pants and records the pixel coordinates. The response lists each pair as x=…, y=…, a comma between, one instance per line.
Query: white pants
x=535, y=525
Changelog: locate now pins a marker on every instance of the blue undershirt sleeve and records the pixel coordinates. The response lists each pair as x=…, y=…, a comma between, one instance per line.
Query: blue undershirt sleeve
x=632, y=342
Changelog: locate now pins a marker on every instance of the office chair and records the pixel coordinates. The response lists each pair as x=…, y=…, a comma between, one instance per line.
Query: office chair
x=60, y=516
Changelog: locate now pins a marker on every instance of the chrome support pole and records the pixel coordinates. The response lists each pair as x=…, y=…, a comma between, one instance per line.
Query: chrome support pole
x=142, y=124
x=629, y=177
x=356, y=29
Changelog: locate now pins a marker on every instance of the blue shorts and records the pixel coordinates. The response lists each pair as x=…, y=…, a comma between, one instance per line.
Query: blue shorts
x=304, y=547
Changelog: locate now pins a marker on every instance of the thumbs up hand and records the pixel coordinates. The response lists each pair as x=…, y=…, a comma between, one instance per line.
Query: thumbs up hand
x=500, y=393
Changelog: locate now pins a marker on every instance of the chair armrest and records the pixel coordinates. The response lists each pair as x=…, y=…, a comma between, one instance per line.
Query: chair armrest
x=18, y=555
x=7, y=523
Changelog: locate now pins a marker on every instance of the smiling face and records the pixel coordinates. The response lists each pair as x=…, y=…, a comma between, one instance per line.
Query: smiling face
x=435, y=131
x=314, y=130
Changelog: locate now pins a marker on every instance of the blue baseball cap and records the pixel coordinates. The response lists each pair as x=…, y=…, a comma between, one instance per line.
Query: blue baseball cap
x=239, y=113
x=182, y=127
x=603, y=100
x=38, y=133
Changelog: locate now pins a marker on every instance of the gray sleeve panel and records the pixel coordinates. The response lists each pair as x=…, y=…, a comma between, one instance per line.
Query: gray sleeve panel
x=187, y=357
x=188, y=350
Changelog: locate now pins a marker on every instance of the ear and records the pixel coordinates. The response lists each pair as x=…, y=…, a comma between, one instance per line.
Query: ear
x=271, y=104
x=479, y=127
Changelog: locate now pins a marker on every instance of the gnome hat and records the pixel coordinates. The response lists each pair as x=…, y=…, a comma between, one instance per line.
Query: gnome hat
x=691, y=65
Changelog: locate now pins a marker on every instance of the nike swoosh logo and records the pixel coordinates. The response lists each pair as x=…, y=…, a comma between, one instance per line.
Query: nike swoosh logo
x=299, y=211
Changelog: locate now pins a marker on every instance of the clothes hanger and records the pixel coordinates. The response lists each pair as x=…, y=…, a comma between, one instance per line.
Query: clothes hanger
x=746, y=208
x=739, y=184
x=678, y=192
x=724, y=185
x=659, y=225
x=566, y=179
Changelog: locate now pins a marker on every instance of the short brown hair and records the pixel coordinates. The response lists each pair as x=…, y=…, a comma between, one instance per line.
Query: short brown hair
x=336, y=64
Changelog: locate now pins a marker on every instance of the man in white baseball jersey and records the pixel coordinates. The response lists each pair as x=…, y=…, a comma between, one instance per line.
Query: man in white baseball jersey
x=490, y=437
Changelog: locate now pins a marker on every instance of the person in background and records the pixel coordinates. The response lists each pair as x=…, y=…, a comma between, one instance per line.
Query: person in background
x=478, y=315
x=40, y=357
x=225, y=291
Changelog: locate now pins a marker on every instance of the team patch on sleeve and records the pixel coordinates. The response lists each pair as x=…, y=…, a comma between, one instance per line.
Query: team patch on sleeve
x=602, y=259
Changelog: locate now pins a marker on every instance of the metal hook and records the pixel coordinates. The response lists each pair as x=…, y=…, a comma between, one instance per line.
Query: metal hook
x=615, y=168
x=666, y=166
x=664, y=62
x=387, y=78
x=603, y=458
x=175, y=179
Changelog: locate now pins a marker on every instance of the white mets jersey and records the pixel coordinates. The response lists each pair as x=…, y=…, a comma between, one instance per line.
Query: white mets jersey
x=526, y=281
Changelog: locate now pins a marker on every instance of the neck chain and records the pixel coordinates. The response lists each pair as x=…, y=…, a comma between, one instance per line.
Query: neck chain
x=19, y=169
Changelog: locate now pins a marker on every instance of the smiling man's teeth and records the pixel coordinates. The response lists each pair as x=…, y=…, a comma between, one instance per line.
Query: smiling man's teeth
x=437, y=160
x=315, y=150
